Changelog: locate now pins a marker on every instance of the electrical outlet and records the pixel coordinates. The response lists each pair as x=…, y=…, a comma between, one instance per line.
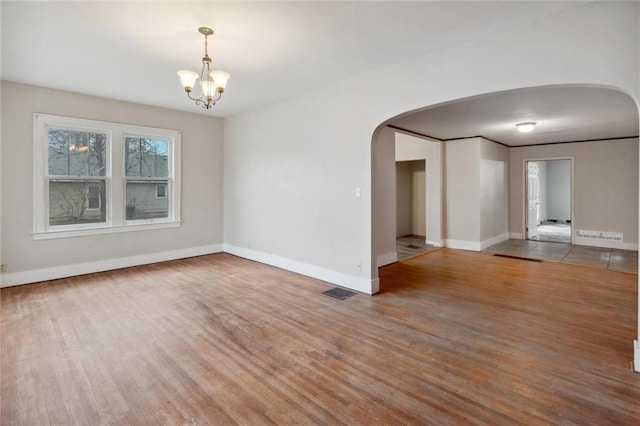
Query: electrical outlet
x=3, y=268
x=359, y=266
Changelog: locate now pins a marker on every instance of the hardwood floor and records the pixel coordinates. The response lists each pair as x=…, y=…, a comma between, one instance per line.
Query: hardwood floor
x=454, y=337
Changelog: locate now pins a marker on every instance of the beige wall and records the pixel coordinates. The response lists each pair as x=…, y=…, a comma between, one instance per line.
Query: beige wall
x=404, y=198
x=476, y=193
x=383, y=199
x=605, y=184
x=462, y=191
x=390, y=146
x=201, y=182
x=418, y=198
x=494, y=191
x=558, y=189
x=409, y=148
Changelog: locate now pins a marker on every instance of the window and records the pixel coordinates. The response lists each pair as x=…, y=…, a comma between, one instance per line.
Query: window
x=146, y=168
x=76, y=176
x=94, y=197
x=161, y=191
x=96, y=177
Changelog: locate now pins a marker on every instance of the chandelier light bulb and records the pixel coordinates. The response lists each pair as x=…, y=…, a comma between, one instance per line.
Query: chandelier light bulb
x=208, y=88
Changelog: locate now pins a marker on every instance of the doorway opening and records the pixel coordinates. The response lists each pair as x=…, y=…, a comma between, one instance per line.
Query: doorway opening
x=411, y=201
x=548, y=209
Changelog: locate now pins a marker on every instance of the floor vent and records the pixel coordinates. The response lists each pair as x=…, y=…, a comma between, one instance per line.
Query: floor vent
x=530, y=259
x=339, y=293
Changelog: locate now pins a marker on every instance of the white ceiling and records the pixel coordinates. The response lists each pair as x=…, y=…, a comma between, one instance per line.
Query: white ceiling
x=562, y=114
x=132, y=50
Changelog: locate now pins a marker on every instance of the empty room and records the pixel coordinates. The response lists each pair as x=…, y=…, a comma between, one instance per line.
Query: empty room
x=203, y=205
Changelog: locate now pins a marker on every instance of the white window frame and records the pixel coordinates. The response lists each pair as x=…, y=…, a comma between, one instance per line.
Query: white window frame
x=114, y=178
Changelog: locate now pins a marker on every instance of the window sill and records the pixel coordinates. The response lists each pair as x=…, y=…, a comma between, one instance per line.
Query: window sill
x=68, y=233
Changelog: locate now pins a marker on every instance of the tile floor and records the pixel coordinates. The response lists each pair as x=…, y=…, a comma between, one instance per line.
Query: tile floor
x=412, y=245
x=556, y=232
x=620, y=260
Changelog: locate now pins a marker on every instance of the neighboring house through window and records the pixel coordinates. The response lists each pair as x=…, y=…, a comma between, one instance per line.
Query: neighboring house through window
x=94, y=197
x=161, y=191
x=97, y=177
x=146, y=168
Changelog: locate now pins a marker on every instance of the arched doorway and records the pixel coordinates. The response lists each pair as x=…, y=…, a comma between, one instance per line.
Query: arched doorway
x=612, y=125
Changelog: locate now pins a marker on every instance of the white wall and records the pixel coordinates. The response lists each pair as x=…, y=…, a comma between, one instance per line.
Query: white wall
x=291, y=168
x=558, y=185
x=605, y=186
x=28, y=260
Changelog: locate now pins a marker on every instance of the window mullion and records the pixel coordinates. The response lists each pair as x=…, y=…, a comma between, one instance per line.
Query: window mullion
x=118, y=201
x=68, y=154
x=139, y=156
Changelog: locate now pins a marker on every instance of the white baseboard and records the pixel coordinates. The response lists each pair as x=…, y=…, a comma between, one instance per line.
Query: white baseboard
x=46, y=274
x=476, y=246
x=594, y=242
x=516, y=235
x=463, y=245
x=636, y=356
x=434, y=243
x=375, y=286
x=338, y=278
x=387, y=258
x=494, y=240
x=37, y=275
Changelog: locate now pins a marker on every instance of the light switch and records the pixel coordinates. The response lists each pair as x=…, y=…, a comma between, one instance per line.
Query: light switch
x=357, y=192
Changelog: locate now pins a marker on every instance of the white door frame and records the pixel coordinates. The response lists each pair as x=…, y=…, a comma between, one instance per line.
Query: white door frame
x=525, y=195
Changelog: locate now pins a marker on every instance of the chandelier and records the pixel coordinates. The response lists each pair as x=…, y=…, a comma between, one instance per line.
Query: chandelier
x=212, y=83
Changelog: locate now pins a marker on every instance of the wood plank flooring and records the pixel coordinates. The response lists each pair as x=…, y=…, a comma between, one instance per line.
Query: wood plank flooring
x=454, y=337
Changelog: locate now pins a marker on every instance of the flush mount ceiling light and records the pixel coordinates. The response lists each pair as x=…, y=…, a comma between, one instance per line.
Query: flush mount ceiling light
x=212, y=83
x=526, y=127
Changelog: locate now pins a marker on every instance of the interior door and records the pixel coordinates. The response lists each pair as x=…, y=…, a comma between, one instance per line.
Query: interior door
x=533, y=199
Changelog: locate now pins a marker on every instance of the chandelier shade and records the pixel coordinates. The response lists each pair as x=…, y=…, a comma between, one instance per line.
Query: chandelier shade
x=212, y=83
x=220, y=78
x=188, y=78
